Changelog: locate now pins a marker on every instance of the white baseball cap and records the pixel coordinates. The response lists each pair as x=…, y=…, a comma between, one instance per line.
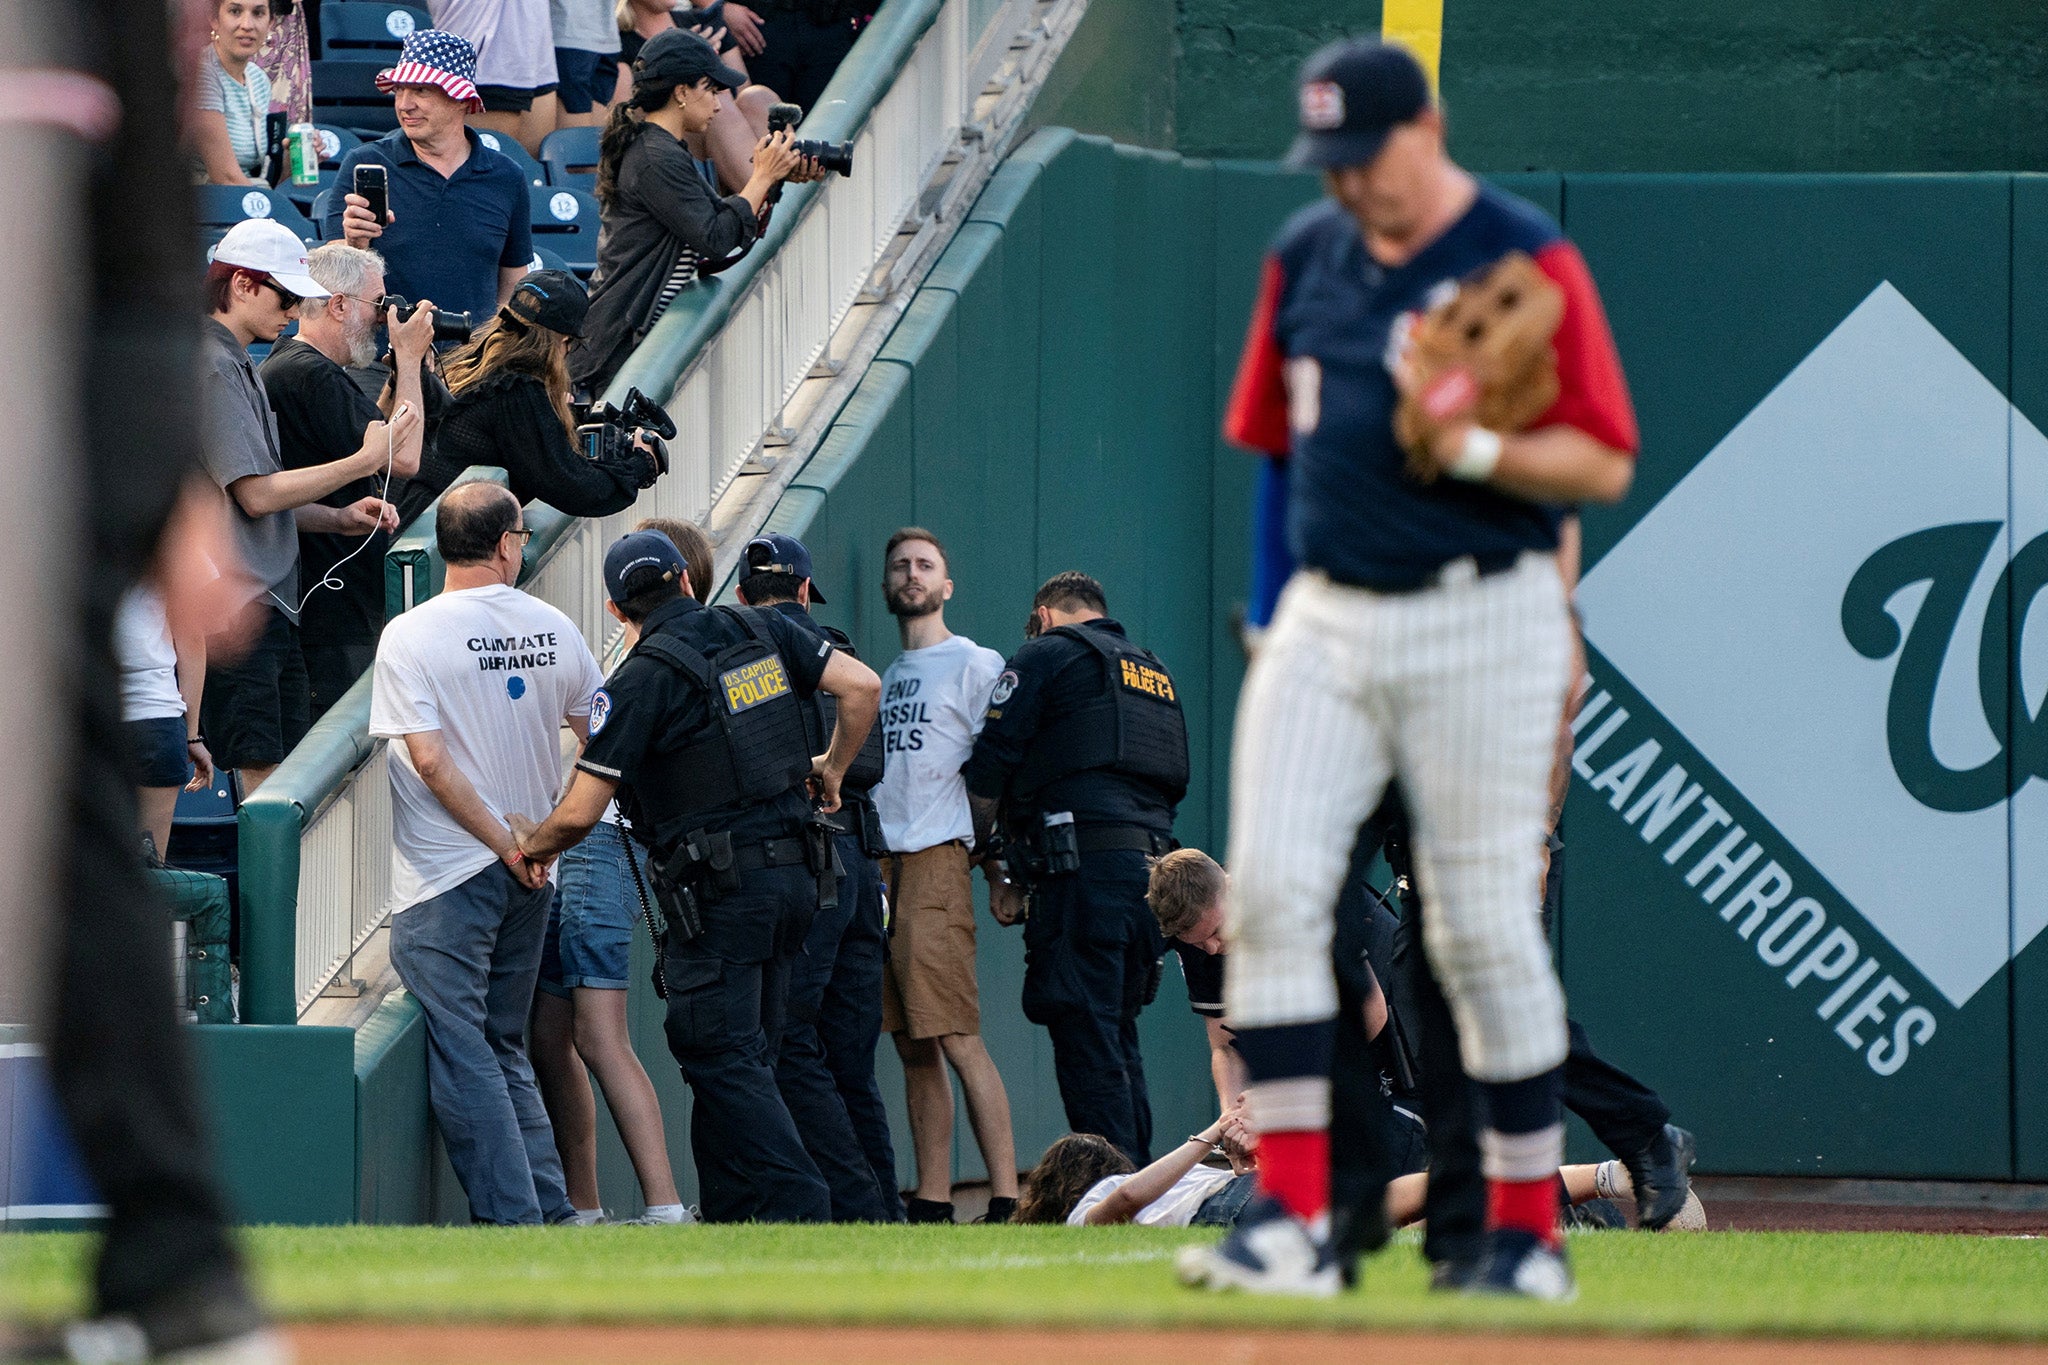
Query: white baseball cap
x=271, y=247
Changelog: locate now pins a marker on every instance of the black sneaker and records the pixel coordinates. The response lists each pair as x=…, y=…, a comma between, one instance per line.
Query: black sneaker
x=1602, y=1214
x=1661, y=1176
x=928, y=1210
x=1452, y=1277
x=1000, y=1208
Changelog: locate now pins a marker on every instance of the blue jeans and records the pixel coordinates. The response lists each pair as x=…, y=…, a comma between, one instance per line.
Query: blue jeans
x=590, y=927
x=470, y=956
x=803, y=1070
x=726, y=992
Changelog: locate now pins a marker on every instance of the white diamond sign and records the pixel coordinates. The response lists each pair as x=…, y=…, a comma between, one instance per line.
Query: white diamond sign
x=1731, y=608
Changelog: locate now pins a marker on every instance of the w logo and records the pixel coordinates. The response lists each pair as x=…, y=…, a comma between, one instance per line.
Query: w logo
x=1868, y=706
x=1949, y=559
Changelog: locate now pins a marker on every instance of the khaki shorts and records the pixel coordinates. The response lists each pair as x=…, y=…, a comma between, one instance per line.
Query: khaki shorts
x=930, y=989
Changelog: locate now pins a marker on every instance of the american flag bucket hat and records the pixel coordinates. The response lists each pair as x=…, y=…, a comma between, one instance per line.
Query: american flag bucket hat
x=438, y=58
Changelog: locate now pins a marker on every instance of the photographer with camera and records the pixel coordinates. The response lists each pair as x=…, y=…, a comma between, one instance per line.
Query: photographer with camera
x=510, y=409
x=664, y=224
x=321, y=417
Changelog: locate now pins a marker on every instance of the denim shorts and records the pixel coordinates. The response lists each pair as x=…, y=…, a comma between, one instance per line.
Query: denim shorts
x=585, y=79
x=156, y=751
x=595, y=915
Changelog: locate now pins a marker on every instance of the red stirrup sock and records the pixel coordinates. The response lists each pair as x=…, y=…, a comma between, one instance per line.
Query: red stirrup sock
x=1526, y=1205
x=1295, y=1169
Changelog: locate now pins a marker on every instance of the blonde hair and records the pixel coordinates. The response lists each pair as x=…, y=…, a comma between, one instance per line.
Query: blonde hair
x=1182, y=887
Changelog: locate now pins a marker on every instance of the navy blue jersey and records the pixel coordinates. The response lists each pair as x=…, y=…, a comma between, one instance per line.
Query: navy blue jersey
x=1315, y=385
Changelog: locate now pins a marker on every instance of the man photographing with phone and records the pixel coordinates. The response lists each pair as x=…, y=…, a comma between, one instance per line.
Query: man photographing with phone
x=456, y=227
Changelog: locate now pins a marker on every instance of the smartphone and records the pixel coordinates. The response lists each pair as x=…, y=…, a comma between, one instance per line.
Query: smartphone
x=370, y=183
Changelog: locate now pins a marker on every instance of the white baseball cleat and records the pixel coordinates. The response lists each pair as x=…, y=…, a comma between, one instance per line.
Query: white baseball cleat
x=1270, y=1251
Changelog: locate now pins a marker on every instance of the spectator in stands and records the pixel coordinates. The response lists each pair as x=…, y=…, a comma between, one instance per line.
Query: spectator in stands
x=256, y=708
x=473, y=687
x=460, y=224
x=231, y=103
x=322, y=416
x=163, y=673
x=662, y=219
x=579, y=1017
x=796, y=45
x=586, y=61
x=724, y=150
x=515, y=63
x=511, y=409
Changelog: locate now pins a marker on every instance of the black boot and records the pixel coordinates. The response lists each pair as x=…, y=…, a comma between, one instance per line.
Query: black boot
x=917, y=1210
x=1660, y=1175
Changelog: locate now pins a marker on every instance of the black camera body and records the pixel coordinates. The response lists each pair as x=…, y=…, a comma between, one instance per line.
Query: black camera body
x=836, y=157
x=447, y=326
x=606, y=435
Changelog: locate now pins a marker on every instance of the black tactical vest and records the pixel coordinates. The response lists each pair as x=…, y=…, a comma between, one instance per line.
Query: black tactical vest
x=866, y=768
x=757, y=748
x=1135, y=727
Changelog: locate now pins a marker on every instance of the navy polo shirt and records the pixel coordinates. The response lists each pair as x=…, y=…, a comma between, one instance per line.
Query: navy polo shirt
x=1315, y=386
x=453, y=233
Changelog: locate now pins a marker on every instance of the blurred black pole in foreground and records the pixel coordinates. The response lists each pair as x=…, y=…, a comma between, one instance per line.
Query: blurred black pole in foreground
x=98, y=206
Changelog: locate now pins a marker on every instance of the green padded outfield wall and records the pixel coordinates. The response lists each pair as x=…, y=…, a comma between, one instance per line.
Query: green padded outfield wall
x=1580, y=85
x=1804, y=874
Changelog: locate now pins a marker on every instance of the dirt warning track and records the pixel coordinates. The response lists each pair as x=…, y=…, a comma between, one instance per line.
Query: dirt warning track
x=334, y=1343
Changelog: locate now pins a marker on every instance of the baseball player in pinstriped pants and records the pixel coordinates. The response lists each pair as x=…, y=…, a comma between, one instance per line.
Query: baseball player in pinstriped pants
x=1425, y=638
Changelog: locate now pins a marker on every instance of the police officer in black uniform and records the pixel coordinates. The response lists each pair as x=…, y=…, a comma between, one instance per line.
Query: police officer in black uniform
x=827, y=1065
x=1085, y=751
x=701, y=735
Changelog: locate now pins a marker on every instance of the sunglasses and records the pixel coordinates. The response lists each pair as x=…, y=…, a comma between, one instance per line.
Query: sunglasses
x=284, y=295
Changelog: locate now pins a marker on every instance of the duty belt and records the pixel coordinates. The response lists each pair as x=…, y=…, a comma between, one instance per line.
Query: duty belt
x=768, y=853
x=1123, y=839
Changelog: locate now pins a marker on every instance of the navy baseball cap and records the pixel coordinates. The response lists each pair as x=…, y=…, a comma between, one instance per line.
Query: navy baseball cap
x=637, y=561
x=777, y=553
x=1353, y=93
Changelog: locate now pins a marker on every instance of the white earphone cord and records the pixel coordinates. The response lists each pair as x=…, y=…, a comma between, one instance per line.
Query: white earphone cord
x=330, y=579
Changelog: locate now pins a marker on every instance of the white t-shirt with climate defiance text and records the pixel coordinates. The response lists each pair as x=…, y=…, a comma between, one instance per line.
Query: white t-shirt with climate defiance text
x=933, y=703
x=497, y=673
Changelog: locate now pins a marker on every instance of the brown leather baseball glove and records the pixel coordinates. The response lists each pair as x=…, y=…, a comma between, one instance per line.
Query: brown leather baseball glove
x=1483, y=356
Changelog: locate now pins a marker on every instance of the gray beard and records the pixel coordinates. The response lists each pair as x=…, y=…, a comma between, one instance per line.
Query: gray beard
x=362, y=347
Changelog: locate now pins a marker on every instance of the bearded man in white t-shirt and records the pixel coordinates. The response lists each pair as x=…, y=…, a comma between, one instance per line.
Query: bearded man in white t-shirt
x=473, y=688
x=933, y=698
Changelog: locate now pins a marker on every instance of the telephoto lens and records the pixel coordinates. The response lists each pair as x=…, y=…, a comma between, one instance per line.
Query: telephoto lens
x=836, y=157
x=447, y=326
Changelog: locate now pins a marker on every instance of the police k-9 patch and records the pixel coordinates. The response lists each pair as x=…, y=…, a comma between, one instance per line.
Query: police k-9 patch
x=751, y=684
x=1144, y=678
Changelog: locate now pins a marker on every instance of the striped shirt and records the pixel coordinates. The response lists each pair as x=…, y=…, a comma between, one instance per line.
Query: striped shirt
x=245, y=104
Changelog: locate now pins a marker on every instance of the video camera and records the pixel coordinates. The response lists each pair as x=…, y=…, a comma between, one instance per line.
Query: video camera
x=836, y=157
x=606, y=436
x=447, y=326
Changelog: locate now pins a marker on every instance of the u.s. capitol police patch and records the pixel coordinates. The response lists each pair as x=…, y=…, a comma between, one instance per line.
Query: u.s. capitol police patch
x=600, y=709
x=1006, y=687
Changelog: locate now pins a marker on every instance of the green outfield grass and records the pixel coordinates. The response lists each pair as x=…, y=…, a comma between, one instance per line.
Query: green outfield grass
x=1855, y=1284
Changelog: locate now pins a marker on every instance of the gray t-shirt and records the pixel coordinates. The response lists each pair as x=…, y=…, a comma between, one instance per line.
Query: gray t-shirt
x=242, y=440
x=585, y=25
